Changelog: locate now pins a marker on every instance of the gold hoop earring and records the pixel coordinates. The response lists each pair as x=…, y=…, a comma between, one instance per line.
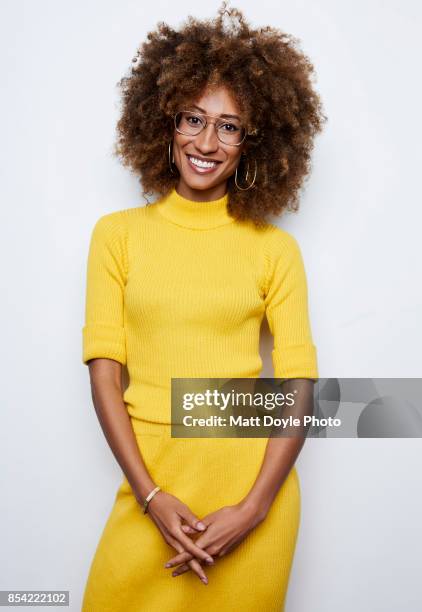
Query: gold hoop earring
x=246, y=177
x=171, y=159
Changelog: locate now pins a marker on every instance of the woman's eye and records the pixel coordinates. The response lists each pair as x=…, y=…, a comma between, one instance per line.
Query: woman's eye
x=229, y=127
x=193, y=120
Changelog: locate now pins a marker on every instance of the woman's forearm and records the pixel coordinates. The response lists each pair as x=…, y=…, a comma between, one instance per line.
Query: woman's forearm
x=281, y=452
x=115, y=422
x=280, y=456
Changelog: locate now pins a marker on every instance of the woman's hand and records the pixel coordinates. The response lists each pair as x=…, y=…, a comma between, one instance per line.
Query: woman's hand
x=226, y=529
x=168, y=512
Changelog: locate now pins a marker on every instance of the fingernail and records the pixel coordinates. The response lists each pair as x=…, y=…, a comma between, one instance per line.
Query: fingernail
x=174, y=573
x=200, y=525
x=204, y=580
x=167, y=565
x=209, y=560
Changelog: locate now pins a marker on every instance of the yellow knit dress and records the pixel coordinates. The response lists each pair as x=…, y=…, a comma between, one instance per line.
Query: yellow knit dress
x=178, y=289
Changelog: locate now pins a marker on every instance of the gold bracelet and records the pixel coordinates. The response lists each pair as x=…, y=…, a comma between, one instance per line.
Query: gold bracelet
x=149, y=498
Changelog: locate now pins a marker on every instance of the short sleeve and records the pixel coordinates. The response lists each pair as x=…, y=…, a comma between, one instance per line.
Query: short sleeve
x=103, y=333
x=286, y=302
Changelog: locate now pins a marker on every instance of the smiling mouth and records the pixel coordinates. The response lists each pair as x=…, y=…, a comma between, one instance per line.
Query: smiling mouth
x=200, y=165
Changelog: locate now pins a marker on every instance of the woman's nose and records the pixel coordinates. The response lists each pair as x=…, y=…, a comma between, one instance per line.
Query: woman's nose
x=207, y=139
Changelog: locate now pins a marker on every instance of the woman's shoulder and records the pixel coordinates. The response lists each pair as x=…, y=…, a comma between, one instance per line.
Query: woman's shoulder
x=278, y=240
x=119, y=220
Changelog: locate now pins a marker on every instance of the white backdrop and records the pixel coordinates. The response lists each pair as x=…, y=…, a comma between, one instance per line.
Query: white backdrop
x=359, y=230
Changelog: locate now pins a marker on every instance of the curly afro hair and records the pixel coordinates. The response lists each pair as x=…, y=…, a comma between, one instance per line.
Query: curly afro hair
x=271, y=80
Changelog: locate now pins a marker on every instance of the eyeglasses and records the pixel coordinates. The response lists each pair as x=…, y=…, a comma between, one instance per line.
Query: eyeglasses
x=229, y=131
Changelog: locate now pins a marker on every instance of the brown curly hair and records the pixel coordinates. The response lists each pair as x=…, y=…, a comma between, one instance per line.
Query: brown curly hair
x=271, y=79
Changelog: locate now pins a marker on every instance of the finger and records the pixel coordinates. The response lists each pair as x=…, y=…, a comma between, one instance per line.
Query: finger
x=196, y=567
x=191, y=565
x=179, y=548
x=182, y=558
x=176, y=544
x=185, y=555
x=178, y=559
x=180, y=570
x=187, y=543
x=188, y=529
x=192, y=520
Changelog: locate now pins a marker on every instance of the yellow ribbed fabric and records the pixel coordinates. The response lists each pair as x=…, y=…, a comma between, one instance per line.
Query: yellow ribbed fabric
x=178, y=289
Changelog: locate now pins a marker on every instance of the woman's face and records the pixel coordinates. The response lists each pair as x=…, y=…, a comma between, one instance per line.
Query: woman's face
x=210, y=183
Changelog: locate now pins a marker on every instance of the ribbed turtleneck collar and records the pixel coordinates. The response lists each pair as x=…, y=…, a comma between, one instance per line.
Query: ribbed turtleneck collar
x=193, y=214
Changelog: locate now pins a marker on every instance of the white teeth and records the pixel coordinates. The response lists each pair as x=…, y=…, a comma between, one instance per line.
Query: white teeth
x=202, y=164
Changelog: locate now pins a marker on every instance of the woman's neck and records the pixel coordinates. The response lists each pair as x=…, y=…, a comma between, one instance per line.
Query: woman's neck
x=201, y=195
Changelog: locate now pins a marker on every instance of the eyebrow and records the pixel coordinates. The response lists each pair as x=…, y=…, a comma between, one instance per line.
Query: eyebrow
x=223, y=115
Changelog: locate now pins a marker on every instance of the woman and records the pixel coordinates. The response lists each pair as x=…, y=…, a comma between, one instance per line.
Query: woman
x=218, y=119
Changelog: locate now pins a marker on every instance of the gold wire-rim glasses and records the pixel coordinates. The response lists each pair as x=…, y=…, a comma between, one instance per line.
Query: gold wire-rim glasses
x=205, y=124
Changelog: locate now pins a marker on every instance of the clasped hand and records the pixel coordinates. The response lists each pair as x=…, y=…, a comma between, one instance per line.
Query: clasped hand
x=219, y=533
